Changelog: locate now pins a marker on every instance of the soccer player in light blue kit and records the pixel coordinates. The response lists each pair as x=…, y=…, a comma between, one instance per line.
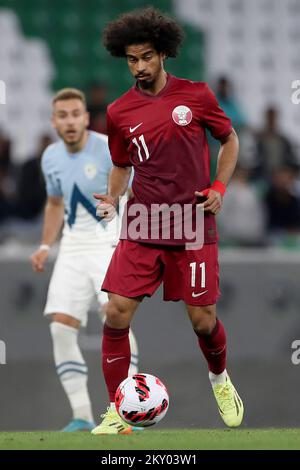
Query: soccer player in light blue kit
x=74, y=168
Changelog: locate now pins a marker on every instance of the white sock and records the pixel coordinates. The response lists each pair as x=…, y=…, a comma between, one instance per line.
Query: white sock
x=112, y=406
x=217, y=379
x=134, y=359
x=71, y=369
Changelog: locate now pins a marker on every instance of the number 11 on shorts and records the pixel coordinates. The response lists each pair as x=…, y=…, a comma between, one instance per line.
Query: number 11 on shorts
x=194, y=274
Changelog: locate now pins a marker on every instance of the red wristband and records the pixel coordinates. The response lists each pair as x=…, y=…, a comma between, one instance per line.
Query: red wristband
x=218, y=186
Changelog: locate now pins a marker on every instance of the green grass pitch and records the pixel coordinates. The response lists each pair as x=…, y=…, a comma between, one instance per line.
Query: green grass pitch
x=183, y=439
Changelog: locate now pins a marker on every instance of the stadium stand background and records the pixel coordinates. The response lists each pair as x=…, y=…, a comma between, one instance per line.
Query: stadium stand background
x=253, y=46
x=256, y=43
x=47, y=45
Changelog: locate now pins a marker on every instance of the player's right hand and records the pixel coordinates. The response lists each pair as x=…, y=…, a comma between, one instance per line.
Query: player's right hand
x=106, y=208
x=38, y=260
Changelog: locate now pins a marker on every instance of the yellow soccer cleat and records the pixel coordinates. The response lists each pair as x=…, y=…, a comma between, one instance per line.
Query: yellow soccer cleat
x=230, y=405
x=112, y=424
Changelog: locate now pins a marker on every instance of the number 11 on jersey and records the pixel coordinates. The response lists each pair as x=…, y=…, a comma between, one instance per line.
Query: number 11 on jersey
x=142, y=140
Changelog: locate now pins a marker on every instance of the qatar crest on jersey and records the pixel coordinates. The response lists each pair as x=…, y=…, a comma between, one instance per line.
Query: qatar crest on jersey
x=182, y=115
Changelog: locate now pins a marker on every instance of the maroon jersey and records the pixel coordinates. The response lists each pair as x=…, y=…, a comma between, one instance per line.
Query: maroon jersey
x=163, y=137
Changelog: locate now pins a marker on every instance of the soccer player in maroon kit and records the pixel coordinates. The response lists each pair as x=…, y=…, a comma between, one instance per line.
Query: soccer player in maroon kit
x=158, y=127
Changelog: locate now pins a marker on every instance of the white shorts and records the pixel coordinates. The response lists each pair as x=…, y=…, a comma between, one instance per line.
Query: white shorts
x=75, y=281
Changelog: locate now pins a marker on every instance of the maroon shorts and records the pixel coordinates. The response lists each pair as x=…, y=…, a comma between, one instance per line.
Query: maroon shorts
x=137, y=269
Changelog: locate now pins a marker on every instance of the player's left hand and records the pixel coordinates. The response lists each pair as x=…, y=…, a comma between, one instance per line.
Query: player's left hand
x=213, y=201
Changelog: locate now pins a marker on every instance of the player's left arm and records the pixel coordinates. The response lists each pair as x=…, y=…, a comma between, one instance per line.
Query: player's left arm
x=227, y=159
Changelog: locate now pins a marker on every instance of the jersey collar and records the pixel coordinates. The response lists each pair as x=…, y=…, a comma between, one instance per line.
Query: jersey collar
x=169, y=81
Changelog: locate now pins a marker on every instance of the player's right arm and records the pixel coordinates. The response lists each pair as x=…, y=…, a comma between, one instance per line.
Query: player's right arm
x=54, y=209
x=53, y=221
x=117, y=185
x=120, y=174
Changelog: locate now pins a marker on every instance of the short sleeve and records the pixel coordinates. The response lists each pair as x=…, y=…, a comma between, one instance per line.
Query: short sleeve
x=107, y=163
x=213, y=117
x=53, y=187
x=131, y=178
x=117, y=145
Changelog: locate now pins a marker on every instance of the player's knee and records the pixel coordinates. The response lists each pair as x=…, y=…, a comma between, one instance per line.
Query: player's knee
x=65, y=320
x=205, y=321
x=204, y=329
x=117, y=315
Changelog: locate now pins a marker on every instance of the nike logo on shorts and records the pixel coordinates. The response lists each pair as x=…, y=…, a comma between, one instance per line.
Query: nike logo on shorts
x=200, y=293
x=132, y=129
x=109, y=361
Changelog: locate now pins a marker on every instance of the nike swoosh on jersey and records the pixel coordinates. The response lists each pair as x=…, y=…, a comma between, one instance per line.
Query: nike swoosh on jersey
x=198, y=295
x=132, y=129
x=115, y=359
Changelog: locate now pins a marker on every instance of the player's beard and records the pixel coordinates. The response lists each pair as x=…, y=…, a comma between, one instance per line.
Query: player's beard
x=146, y=84
x=150, y=80
x=75, y=140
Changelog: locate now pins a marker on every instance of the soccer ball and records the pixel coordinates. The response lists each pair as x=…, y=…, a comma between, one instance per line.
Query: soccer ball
x=142, y=400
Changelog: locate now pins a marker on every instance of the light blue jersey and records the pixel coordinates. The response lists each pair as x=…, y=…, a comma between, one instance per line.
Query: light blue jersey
x=75, y=177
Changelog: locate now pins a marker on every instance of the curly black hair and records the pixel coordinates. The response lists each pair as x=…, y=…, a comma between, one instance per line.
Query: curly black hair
x=141, y=26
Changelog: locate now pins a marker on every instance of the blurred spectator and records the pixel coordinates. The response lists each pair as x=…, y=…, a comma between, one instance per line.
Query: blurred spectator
x=97, y=107
x=31, y=193
x=5, y=208
x=274, y=150
x=4, y=152
x=231, y=107
x=228, y=102
x=7, y=179
x=282, y=202
x=247, y=152
x=242, y=219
